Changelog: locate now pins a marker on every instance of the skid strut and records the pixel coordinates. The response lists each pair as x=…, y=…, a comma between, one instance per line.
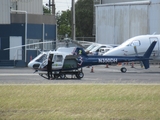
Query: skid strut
x=64, y=74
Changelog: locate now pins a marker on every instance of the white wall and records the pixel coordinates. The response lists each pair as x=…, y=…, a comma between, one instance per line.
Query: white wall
x=104, y=23
x=4, y=11
x=154, y=17
x=115, y=23
x=116, y=1
x=31, y=6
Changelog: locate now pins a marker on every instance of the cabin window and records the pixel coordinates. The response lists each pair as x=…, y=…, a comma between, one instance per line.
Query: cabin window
x=135, y=43
x=59, y=58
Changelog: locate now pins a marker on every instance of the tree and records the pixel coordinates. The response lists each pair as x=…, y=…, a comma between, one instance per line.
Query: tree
x=84, y=18
x=64, y=23
x=46, y=9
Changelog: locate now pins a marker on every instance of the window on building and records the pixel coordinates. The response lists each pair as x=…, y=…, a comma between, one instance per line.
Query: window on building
x=33, y=44
x=48, y=46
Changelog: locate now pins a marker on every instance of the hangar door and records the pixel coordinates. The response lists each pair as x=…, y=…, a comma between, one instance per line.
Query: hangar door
x=16, y=53
x=116, y=23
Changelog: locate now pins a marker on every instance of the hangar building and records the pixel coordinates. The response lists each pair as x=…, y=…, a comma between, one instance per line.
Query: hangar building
x=119, y=21
x=23, y=22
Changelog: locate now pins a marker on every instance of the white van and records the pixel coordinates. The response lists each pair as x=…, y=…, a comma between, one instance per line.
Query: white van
x=97, y=48
x=91, y=47
x=103, y=50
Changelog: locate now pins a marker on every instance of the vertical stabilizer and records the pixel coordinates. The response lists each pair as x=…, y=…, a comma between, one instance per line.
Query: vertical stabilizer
x=80, y=51
x=150, y=49
x=148, y=54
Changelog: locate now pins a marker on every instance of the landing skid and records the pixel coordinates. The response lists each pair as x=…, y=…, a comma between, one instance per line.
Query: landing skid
x=64, y=74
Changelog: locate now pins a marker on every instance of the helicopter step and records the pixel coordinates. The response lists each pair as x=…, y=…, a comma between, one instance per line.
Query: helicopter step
x=64, y=74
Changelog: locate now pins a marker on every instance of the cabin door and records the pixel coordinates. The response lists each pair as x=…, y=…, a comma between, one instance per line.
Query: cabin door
x=58, y=62
x=155, y=52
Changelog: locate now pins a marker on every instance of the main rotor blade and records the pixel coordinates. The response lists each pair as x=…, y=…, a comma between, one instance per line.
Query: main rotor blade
x=28, y=45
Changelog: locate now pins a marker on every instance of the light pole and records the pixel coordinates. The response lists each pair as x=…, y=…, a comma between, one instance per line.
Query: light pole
x=53, y=7
x=73, y=20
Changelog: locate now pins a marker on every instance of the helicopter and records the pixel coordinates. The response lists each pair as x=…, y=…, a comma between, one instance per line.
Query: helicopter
x=71, y=61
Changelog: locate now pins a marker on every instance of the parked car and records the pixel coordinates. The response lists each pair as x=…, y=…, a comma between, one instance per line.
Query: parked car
x=103, y=50
x=89, y=48
x=97, y=48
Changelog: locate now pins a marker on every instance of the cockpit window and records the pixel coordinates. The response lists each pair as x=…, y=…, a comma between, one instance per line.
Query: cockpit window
x=58, y=58
x=135, y=43
x=131, y=42
x=42, y=58
x=127, y=42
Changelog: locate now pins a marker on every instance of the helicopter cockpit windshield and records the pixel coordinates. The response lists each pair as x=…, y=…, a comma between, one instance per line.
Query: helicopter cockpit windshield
x=42, y=57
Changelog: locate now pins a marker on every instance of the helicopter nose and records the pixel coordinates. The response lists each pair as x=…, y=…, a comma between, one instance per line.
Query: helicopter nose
x=30, y=65
x=33, y=65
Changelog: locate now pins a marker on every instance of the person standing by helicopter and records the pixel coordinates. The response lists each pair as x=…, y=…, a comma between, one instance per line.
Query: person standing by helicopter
x=49, y=68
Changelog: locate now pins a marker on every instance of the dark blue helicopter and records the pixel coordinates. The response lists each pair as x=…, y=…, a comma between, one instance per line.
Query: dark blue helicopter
x=65, y=63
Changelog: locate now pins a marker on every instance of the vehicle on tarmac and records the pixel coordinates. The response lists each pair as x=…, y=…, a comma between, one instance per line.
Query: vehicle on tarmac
x=137, y=45
x=65, y=63
x=103, y=50
x=90, y=47
x=97, y=48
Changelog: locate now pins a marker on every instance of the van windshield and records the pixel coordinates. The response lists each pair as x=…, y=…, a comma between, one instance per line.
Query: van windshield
x=91, y=47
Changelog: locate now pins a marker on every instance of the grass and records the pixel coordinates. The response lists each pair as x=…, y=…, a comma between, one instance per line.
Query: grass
x=80, y=102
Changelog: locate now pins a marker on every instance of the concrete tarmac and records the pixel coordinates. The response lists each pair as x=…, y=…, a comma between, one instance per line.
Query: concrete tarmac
x=100, y=75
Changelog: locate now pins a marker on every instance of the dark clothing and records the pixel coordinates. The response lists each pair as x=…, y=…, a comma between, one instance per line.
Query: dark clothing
x=49, y=69
x=49, y=66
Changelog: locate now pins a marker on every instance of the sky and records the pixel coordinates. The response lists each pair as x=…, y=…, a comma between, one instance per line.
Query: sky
x=61, y=5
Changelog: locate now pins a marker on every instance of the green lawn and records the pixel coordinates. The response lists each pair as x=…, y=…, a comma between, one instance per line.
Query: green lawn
x=80, y=102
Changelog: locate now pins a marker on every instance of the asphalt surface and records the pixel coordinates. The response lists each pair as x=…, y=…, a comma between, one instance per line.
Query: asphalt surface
x=100, y=75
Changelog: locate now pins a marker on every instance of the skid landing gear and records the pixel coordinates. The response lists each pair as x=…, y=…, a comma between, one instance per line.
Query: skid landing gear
x=64, y=74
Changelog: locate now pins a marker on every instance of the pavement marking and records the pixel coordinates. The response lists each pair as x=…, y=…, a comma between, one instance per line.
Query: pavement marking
x=96, y=84
x=17, y=74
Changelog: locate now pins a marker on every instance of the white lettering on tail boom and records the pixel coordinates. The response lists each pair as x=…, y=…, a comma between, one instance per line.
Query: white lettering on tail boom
x=107, y=60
